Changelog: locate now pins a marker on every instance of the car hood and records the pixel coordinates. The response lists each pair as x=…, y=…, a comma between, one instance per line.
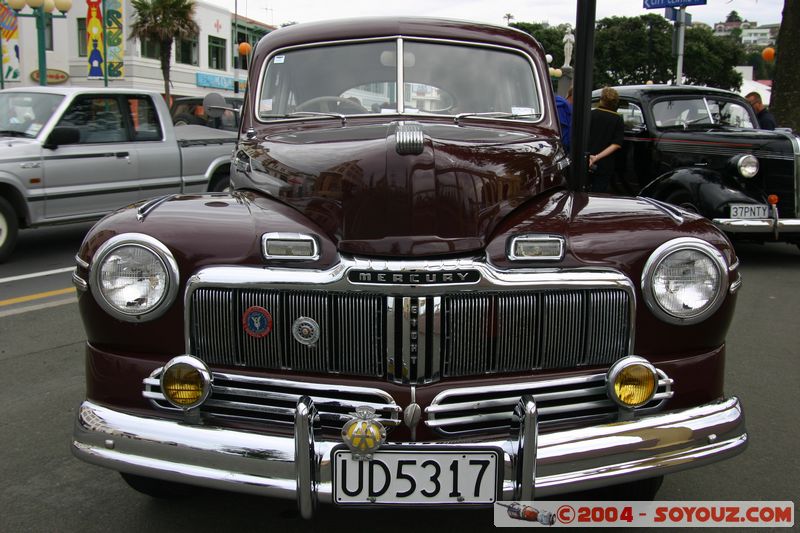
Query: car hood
x=373, y=197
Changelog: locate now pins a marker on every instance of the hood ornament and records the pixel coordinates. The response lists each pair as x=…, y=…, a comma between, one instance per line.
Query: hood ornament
x=410, y=138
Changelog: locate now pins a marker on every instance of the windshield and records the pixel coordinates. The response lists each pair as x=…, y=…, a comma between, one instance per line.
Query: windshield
x=362, y=78
x=24, y=114
x=701, y=111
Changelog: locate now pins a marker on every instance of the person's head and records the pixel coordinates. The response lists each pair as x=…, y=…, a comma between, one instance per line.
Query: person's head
x=609, y=98
x=754, y=99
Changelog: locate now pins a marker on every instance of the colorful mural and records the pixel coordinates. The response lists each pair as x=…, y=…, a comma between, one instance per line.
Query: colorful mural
x=115, y=42
x=10, y=43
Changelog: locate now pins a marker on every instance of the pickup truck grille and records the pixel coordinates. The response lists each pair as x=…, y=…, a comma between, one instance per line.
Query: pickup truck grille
x=414, y=339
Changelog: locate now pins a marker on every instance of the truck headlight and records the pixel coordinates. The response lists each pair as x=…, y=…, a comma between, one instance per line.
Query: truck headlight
x=684, y=280
x=134, y=277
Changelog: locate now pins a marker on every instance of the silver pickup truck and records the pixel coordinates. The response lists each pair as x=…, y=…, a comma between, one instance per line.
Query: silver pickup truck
x=72, y=154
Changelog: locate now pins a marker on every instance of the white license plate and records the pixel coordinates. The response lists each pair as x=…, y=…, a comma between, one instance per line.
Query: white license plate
x=749, y=211
x=415, y=477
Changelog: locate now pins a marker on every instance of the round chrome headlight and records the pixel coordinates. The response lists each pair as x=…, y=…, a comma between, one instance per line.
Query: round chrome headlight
x=684, y=280
x=134, y=277
x=747, y=165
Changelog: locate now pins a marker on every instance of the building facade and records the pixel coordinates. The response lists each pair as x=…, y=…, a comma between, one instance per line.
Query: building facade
x=209, y=62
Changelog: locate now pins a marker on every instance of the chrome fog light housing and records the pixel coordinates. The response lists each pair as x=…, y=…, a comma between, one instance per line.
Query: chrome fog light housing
x=185, y=382
x=134, y=277
x=289, y=246
x=747, y=166
x=684, y=280
x=536, y=248
x=631, y=382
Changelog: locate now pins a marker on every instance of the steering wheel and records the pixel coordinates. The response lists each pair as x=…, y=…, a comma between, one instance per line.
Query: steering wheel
x=331, y=104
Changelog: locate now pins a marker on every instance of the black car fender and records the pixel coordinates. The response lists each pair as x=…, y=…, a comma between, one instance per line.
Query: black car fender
x=704, y=191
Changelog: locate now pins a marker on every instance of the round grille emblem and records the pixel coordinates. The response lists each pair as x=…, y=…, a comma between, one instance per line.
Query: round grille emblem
x=257, y=321
x=305, y=331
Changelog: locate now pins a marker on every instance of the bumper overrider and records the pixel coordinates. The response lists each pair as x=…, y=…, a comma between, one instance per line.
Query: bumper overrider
x=299, y=466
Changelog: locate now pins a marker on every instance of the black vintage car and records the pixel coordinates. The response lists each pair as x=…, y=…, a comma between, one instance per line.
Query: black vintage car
x=698, y=148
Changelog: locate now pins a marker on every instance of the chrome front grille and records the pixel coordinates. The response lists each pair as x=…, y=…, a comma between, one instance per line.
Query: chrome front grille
x=272, y=400
x=559, y=401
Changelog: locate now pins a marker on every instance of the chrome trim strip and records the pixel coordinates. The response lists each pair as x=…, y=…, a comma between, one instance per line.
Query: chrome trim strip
x=391, y=356
x=80, y=283
x=148, y=207
x=527, y=447
x=81, y=262
x=668, y=209
x=401, y=86
x=422, y=336
x=436, y=335
x=290, y=237
x=734, y=266
x=305, y=457
x=751, y=225
x=406, y=332
x=263, y=464
x=736, y=285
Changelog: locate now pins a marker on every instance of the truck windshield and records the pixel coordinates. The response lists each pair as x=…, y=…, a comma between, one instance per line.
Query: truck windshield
x=24, y=114
x=701, y=111
x=362, y=78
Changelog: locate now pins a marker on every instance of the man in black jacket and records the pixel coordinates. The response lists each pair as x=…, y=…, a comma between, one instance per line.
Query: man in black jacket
x=765, y=119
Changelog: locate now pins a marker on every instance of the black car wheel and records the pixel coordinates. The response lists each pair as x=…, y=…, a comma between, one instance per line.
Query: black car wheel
x=157, y=488
x=684, y=200
x=9, y=228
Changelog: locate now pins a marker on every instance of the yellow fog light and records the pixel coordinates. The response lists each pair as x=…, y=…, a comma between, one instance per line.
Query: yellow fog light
x=185, y=382
x=363, y=434
x=632, y=382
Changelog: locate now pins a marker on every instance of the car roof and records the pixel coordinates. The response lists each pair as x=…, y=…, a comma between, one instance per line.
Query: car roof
x=651, y=91
x=71, y=90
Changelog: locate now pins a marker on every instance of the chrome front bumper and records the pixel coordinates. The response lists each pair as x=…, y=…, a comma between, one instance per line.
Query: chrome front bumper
x=299, y=467
x=758, y=225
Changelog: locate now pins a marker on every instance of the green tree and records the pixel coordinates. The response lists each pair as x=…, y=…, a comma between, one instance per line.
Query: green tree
x=709, y=60
x=550, y=37
x=163, y=21
x=733, y=16
x=633, y=50
x=785, y=104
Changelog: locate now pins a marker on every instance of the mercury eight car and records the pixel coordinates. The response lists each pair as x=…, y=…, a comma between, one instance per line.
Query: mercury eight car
x=401, y=301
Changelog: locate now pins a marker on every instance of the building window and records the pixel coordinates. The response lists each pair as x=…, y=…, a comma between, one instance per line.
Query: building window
x=151, y=48
x=48, y=34
x=82, y=52
x=216, y=53
x=186, y=51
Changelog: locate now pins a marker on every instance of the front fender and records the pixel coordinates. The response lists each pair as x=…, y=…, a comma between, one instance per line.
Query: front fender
x=711, y=191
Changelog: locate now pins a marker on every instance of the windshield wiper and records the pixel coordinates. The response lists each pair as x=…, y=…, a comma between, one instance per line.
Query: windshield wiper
x=340, y=116
x=13, y=133
x=494, y=114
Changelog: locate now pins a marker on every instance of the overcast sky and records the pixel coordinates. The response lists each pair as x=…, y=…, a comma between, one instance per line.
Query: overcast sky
x=555, y=12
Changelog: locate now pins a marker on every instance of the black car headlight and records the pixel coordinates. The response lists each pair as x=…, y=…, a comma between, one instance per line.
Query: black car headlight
x=746, y=165
x=134, y=277
x=684, y=280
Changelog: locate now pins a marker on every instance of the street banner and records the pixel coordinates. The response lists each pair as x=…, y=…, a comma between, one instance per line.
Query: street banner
x=10, y=43
x=115, y=42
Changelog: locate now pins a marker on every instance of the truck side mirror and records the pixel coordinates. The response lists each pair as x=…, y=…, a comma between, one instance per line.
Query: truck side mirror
x=215, y=105
x=62, y=135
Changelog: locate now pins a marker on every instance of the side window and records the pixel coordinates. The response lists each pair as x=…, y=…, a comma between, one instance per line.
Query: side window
x=632, y=115
x=99, y=119
x=144, y=119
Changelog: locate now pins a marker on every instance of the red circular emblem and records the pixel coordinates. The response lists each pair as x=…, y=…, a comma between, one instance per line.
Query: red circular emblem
x=257, y=321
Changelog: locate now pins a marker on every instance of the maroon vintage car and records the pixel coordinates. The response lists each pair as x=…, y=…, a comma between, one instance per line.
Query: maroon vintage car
x=401, y=301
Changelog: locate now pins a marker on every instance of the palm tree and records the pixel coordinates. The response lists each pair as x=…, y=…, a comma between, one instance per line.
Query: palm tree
x=163, y=21
x=509, y=17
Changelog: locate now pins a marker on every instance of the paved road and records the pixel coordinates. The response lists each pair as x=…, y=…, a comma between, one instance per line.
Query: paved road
x=45, y=489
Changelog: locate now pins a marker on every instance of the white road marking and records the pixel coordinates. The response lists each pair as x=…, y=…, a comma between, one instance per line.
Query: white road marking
x=37, y=274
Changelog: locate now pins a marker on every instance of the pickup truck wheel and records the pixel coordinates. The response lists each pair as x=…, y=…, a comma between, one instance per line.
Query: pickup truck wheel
x=220, y=184
x=684, y=200
x=157, y=488
x=9, y=228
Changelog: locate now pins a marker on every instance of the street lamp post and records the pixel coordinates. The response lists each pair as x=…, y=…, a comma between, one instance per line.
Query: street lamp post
x=42, y=9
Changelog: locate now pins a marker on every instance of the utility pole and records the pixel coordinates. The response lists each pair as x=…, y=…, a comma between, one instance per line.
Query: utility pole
x=681, y=27
x=235, y=46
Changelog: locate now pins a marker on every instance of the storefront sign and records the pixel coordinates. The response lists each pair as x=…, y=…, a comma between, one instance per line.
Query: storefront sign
x=217, y=81
x=54, y=76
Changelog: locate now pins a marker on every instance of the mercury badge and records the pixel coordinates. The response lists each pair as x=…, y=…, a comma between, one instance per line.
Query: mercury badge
x=363, y=434
x=257, y=321
x=305, y=330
